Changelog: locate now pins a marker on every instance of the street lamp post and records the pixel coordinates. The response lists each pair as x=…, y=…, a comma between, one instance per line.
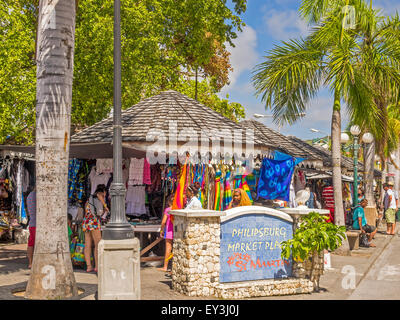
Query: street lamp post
x=118, y=228
x=355, y=131
x=118, y=250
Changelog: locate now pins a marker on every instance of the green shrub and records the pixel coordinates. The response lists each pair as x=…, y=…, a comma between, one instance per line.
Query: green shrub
x=311, y=238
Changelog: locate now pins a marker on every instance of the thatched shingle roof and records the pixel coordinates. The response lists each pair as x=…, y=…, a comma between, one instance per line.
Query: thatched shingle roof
x=152, y=117
x=275, y=138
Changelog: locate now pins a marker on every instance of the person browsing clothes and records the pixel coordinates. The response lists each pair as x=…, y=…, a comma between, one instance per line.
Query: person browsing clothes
x=191, y=195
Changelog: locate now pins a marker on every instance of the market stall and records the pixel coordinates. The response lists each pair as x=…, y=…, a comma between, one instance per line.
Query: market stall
x=16, y=182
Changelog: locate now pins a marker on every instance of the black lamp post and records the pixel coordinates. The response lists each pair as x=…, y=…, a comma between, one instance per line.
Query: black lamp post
x=118, y=228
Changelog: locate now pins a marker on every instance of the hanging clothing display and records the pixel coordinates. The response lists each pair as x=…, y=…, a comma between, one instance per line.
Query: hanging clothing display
x=246, y=188
x=136, y=168
x=275, y=178
x=155, y=173
x=96, y=179
x=299, y=182
x=179, y=194
x=292, y=197
x=146, y=172
x=136, y=200
x=283, y=156
x=217, y=199
x=205, y=186
x=211, y=191
x=227, y=190
x=74, y=166
x=104, y=166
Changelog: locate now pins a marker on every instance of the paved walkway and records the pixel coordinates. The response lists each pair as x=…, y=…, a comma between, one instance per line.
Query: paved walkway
x=375, y=269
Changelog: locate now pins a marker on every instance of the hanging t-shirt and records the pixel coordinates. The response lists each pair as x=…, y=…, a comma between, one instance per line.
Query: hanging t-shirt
x=146, y=172
x=327, y=195
x=136, y=171
x=136, y=200
x=96, y=179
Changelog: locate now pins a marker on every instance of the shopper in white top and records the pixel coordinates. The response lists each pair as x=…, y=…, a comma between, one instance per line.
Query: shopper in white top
x=191, y=195
x=391, y=211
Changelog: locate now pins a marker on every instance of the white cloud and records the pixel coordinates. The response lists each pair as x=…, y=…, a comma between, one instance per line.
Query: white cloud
x=284, y=25
x=243, y=57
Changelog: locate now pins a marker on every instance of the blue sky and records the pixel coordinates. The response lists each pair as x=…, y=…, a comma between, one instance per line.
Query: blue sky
x=269, y=22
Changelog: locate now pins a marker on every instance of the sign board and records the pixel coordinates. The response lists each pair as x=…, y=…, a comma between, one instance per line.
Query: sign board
x=250, y=244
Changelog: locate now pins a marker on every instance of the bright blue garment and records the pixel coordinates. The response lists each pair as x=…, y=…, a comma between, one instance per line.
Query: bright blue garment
x=275, y=178
x=73, y=169
x=359, y=213
x=283, y=156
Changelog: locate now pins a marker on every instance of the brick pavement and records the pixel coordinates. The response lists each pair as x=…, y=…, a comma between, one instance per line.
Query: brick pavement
x=155, y=285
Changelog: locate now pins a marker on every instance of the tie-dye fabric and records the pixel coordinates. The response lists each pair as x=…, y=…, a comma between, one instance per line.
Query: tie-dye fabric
x=275, y=178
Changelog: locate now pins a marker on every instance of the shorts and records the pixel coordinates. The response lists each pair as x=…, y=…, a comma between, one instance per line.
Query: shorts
x=32, y=236
x=368, y=228
x=390, y=215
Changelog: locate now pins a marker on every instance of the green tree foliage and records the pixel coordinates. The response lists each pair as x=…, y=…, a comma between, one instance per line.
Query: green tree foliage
x=163, y=42
x=358, y=63
x=17, y=69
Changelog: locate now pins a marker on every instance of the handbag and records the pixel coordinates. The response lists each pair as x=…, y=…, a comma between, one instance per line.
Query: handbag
x=364, y=240
x=78, y=256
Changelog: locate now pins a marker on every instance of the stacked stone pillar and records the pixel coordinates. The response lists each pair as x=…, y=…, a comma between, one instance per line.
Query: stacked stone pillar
x=196, y=249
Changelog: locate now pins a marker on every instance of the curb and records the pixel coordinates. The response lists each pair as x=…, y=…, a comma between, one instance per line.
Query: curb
x=375, y=257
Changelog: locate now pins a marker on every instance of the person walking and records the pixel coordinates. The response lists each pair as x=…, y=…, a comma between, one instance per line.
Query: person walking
x=95, y=207
x=167, y=231
x=360, y=222
x=390, y=213
x=31, y=206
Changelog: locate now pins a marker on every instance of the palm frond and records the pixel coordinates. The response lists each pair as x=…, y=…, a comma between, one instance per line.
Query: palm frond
x=289, y=78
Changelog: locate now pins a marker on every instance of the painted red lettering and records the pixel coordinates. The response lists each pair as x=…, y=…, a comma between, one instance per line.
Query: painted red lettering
x=257, y=264
x=240, y=265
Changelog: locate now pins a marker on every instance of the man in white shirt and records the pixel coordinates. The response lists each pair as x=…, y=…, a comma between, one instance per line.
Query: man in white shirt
x=390, y=213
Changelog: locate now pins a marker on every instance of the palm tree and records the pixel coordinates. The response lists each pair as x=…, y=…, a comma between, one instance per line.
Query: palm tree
x=52, y=275
x=332, y=56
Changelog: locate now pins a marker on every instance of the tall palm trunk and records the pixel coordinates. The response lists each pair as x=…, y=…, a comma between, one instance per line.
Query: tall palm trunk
x=336, y=171
x=369, y=154
x=52, y=275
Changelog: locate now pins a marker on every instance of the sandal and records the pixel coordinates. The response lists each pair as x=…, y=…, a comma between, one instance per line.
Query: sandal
x=89, y=270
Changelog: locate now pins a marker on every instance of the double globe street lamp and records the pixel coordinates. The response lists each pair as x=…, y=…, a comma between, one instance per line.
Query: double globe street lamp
x=366, y=138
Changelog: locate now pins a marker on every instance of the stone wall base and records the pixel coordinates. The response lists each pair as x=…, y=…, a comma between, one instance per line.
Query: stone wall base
x=263, y=288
